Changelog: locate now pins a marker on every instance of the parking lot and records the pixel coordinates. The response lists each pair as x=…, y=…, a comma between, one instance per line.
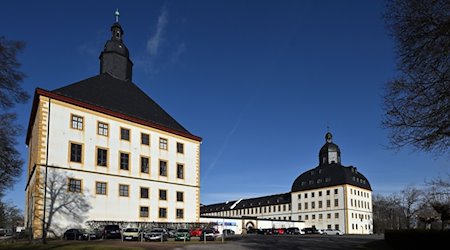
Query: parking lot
x=242, y=242
x=235, y=242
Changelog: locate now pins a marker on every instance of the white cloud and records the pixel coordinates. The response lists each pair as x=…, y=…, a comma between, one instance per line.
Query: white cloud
x=155, y=41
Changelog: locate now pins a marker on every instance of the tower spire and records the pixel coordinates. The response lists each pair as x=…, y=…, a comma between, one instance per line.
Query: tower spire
x=117, y=14
x=115, y=58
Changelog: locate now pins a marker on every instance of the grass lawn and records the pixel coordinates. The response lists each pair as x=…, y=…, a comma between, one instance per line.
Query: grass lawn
x=98, y=245
x=63, y=245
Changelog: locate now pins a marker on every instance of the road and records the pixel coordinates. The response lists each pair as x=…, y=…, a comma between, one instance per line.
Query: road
x=309, y=242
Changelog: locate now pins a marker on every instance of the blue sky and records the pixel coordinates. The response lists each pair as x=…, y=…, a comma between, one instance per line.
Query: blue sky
x=259, y=81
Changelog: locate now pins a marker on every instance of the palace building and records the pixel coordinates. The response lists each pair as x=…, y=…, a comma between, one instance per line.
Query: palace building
x=328, y=196
x=109, y=144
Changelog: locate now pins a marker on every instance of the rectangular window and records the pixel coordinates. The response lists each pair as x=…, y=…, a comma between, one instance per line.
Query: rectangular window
x=163, y=143
x=144, y=193
x=163, y=194
x=77, y=122
x=312, y=194
x=124, y=161
x=163, y=168
x=306, y=217
x=75, y=152
x=100, y=188
x=123, y=190
x=125, y=134
x=329, y=226
x=74, y=185
x=306, y=195
x=313, y=216
x=180, y=213
x=299, y=196
x=320, y=216
x=143, y=212
x=180, y=196
x=328, y=192
x=299, y=217
x=180, y=148
x=313, y=205
x=335, y=191
x=162, y=212
x=320, y=193
x=145, y=139
x=336, y=215
x=144, y=165
x=320, y=204
x=328, y=203
x=336, y=202
x=336, y=226
x=102, y=157
x=102, y=129
x=180, y=171
x=328, y=216
x=306, y=205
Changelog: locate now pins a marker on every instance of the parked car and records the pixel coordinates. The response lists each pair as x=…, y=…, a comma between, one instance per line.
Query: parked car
x=310, y=230
x=111, y=232
x=278, y=231
x=227, y=232
x=320, y=231
x=330, y=231
x=266, y=231
x=131, y=233
x=208, y=234
x=78, y=234
x=182, y=234
x=171, y=232
x=293, y=230
x=156, y=234
x=196, y=232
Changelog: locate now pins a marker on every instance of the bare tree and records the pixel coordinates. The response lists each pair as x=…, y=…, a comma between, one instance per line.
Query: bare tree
x=10, y=93
x=387, y=213
x=70, y=205
x=10, y=216
x=438, y=197
x=411, y=199
x=417, y=102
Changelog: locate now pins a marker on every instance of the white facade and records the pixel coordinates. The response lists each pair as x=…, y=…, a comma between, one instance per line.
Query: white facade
x=50, y=144
x=338, y=207
x=273, y=212
x=239, y=225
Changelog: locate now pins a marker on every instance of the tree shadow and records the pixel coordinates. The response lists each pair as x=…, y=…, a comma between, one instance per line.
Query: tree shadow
x=61, y=202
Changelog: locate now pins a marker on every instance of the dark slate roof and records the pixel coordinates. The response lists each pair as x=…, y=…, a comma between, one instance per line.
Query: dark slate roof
x=122, y=97
x=248, y=203
x=330, y=175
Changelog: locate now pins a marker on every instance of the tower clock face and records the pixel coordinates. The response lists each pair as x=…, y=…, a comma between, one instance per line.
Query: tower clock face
x=332, y=157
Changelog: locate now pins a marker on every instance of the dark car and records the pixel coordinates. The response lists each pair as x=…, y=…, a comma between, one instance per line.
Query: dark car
x=228, y=232
x=208, y=234
x=293, y=230
x=267, y=231
x=111, y=232
x=310, y=230
x=78, y=234
x=182, y=234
